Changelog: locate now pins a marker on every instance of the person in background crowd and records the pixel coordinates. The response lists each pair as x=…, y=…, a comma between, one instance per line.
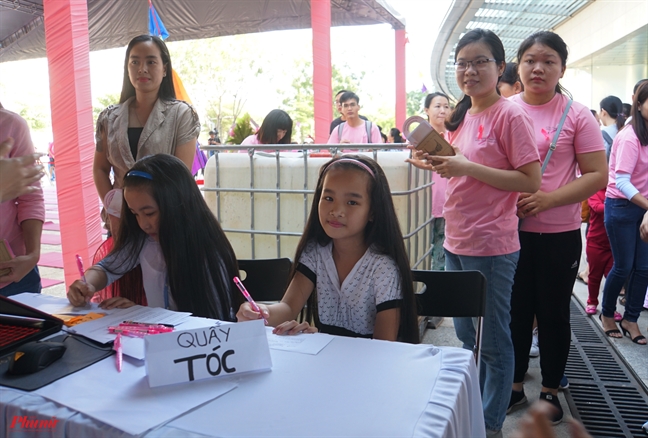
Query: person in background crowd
x=213, y=139
x=51, y=164
x=275, y=129
x=437, y=108
x=629, y=106
x=625, y=206
x=384, y=137
x=354, y=129
x=599, y=254
x=21, y=215
x=342, y=117
x=596, y=116
x=626, y=110
x=612, y=119
x=395, y=136
x=509, y=84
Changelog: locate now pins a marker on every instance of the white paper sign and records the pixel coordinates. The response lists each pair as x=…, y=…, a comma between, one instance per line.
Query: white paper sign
x=220, y=350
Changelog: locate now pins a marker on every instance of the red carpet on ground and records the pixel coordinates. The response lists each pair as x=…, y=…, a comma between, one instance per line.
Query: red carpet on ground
x=51, y=226
x=47, y=282
x=51, y=259
x=51, y=239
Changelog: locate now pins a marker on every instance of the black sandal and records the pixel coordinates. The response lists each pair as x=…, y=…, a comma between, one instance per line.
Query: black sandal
x=636, y=339
x=611, y=331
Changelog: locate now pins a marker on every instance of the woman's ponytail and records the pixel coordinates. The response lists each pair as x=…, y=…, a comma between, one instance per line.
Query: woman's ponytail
x=457, y=115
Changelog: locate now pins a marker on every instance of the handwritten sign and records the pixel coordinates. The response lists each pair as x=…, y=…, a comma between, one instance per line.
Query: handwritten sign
x=221, y=350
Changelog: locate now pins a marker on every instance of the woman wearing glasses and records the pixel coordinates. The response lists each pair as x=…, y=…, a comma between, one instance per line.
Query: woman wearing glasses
x=275, y=129
x=496, y=157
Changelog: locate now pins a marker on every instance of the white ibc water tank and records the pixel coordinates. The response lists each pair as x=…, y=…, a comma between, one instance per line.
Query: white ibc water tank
x=287, y=212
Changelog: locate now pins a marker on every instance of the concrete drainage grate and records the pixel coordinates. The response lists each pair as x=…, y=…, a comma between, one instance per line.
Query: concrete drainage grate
x=603, y=392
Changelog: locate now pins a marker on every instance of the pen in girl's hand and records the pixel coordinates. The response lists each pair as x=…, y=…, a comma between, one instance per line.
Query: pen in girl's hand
x=82, y=273
x=247, y=296
x=80, y=266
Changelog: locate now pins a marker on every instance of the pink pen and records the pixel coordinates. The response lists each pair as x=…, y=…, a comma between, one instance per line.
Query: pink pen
x=247, y=296
x=480, y=132
x=118, y=348
x=80, y=266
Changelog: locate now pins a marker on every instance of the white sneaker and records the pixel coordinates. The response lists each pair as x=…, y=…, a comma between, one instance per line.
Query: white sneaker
x=535, y=350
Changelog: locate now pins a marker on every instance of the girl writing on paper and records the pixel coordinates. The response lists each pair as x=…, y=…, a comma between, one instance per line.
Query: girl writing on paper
x=148, y=119
x=166, y=228
x=496, y=159
x=275, y=129
x=351, y=267
x=550, y=235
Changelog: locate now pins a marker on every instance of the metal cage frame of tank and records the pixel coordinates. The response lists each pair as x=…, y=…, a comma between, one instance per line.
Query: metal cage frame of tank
x=417, y=230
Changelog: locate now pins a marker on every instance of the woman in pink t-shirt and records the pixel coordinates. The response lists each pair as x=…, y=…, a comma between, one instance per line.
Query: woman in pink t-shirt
x=496, y=158
x=625, y=206
x=550, y=229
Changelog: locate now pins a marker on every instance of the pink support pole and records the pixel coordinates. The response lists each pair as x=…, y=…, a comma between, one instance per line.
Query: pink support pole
x=67, y=42
x=401, y=96
x=322, y=88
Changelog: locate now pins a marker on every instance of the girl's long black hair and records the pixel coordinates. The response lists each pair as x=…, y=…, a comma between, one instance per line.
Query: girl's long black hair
x=167, y=90
x=638, y=123
x=383, y=233
x=199, y=259
x=614, y=107
x=497, y=49
x=510, y=75
x=396, y=135
x=276, y=119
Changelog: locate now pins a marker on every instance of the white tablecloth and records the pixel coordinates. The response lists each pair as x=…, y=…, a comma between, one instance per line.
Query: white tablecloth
x=354, y=387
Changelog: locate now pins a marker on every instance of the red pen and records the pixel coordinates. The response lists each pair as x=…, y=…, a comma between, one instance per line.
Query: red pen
x=118, y=348
x=480, y=132
x=247, y=296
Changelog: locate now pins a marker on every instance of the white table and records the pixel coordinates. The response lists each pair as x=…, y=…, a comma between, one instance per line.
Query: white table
x=353, y=387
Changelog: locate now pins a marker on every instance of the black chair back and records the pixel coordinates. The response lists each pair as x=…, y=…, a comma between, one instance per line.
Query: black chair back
x=265, y=279
x=451, y=293
x=454, y=294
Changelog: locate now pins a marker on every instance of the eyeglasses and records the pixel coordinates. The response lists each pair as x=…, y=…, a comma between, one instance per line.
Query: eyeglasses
x=479, y=64
x=349, y=105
